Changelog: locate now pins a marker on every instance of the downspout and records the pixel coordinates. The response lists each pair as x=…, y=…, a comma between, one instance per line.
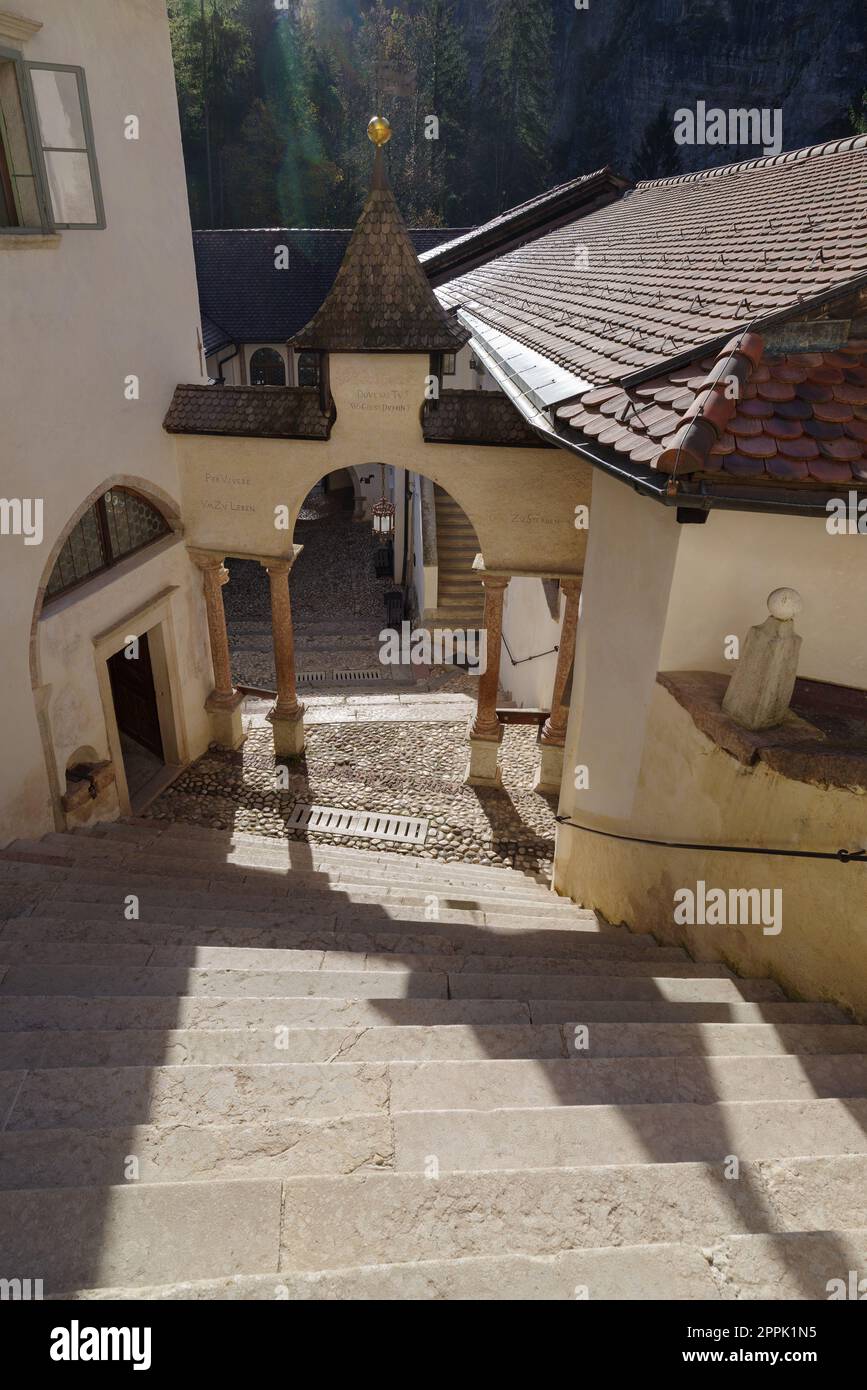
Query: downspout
x=221, y=363
x=406, y=509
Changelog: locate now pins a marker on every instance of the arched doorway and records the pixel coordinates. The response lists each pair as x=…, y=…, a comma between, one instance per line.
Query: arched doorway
x=107, y=678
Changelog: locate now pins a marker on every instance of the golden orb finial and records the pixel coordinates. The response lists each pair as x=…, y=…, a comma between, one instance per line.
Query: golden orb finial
x=378, y=130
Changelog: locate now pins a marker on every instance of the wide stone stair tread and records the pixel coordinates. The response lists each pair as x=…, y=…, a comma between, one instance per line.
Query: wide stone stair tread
x=286, y=1036
x=350, y=933
x=223, y=1046
x=793, y=1265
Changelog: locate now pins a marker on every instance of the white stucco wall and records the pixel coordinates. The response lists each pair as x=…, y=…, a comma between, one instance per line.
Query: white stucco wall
x=725, y=571
x=79, y=316
x=529, y=629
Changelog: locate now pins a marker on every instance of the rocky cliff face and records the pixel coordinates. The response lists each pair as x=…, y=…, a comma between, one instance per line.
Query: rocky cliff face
x=622, y=62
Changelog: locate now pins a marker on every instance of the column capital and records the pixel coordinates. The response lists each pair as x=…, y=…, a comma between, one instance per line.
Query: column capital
x=281, y=564
x=206, y=559
x=571, y=584
x=493, y=582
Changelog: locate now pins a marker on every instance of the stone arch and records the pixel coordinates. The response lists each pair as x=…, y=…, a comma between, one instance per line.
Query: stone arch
x=170, y=509
x=150, y=491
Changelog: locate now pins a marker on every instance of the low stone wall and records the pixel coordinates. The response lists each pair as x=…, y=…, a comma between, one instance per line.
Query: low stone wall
x=692, y=790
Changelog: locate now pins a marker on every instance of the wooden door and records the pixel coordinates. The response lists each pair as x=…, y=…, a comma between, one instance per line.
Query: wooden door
x=135, y=699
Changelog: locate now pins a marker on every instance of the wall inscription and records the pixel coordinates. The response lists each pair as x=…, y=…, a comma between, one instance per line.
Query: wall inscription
x=223, y=503
x=387, y=402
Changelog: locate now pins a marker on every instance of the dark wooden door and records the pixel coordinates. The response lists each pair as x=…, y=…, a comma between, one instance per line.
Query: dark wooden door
x=135, y=700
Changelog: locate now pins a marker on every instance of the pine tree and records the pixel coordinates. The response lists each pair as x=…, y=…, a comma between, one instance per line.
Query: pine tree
x=515, y=104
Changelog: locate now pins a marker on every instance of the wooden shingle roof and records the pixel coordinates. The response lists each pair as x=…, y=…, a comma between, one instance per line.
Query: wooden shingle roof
x=266, y=412
x=381, y=300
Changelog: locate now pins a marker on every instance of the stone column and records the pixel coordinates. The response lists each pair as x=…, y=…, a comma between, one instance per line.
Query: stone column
x=224, y=702
x=486, y=731
x=287, y=716
x=552, y=739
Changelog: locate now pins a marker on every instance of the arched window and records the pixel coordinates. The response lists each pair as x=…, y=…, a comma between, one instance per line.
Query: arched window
x=117, y=524
x=267, y=368
x=308, y=369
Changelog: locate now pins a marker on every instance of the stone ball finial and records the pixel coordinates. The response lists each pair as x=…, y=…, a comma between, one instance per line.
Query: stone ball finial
x=378, y=130
x=785, y=604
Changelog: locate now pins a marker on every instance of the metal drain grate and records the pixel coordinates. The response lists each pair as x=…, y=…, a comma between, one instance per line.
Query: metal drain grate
x=371, y=825
x=375, y=675
x=339, y=677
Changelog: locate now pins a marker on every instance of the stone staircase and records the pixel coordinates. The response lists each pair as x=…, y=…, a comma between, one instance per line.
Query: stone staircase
x=460, y=597
x=304, y=1072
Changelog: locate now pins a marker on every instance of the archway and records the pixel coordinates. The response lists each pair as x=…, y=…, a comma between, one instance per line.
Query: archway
x=383, y=729
x=121, y=527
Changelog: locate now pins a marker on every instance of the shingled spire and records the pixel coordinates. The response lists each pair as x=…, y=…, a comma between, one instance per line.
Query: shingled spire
x=381, y=300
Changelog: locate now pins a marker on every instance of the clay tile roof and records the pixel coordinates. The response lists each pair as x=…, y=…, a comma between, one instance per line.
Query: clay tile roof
x=798, y=418
x=381, y=300
x=677, y=263
x=520, y=224
x=269, y=412
x=477, y=417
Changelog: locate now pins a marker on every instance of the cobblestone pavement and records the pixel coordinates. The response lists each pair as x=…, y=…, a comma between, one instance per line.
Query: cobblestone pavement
x=406, y=768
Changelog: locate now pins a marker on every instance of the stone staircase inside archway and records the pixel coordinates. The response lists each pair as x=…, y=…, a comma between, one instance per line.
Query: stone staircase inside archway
x=237, y=1068
x=460, y=597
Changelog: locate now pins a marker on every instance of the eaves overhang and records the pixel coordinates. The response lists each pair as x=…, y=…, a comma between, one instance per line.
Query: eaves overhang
x=502, y=361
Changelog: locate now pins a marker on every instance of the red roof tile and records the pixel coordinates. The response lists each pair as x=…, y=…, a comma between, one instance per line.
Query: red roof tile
x=806, y=423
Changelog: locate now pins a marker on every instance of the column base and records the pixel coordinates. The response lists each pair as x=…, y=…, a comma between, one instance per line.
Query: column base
x=483, y=767
x=549, y=769
x=227, y=727
x=288, y=732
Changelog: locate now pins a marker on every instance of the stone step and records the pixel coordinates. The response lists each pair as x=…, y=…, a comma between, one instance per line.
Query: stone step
x=152, y=872
x=455, y=616
x=230, y=1046
x=283, y=857
x=791, y=1266
x=623, y=1011
x=110, y=980
x=564, y=1136
x=458, y=584
x=326, y=857
x=167, y=1012
x=232, y=1226
x=90, y=1098
x=72, y=902
x=522, y=1084
x=264, y=878
x=94, y=1097
x=706, y=990
x=272, y=1147
x=300, y=933
x=223, y=1046
x=161, y=1014
x=93, y=981
x=241, y=958
x=331, y=1221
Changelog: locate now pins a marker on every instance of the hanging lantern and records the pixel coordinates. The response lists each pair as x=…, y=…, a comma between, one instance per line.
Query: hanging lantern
x=383, y=512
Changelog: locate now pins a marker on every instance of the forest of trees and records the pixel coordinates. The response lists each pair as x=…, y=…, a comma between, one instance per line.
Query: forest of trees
x=275, y=96
x=279, y=138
